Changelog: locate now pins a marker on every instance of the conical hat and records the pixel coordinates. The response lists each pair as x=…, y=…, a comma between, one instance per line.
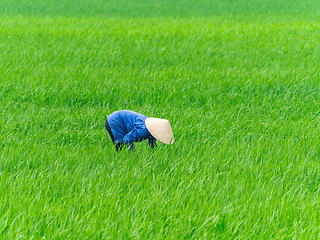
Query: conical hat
x=160, y=129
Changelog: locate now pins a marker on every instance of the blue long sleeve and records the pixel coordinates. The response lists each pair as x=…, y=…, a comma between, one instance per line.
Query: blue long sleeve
x=152, y=143
x=131, y=137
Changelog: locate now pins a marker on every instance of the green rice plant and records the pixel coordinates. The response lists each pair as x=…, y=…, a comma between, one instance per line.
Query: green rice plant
x=239, y=81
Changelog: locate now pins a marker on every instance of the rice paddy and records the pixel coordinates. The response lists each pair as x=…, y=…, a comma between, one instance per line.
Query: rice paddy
x=238, y=80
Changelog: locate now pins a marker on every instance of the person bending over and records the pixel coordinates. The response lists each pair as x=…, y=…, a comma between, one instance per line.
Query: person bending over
x=126, y=127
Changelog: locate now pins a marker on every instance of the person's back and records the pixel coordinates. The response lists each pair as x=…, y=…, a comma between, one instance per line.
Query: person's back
x=125, y=120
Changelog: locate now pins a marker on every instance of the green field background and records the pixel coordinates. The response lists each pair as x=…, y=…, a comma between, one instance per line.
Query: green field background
x=238, y=80
x=161, y=8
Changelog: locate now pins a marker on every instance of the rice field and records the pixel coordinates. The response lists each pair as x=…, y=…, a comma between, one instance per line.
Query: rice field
x=238, y=80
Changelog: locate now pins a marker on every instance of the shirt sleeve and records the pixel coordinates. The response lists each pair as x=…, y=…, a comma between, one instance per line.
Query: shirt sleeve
x=129, y=138
x=152, y=142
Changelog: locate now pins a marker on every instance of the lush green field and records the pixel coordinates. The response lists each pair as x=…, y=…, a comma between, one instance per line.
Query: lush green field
x=239, y=81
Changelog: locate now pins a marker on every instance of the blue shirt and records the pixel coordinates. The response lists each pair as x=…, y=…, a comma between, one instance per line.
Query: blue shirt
x=128, y=127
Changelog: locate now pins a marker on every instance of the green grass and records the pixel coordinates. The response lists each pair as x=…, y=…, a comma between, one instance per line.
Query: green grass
x=239, y=81
x=163, y=8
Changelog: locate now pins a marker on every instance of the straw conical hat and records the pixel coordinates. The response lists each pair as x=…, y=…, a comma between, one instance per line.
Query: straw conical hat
x=160, y=129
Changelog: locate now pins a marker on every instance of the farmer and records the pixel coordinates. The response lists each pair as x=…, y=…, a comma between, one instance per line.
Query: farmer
x=126, y=127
